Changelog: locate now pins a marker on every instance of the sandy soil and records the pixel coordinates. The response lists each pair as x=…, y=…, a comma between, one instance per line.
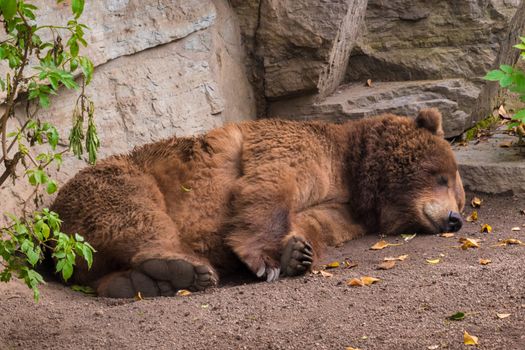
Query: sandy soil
x=407, y=309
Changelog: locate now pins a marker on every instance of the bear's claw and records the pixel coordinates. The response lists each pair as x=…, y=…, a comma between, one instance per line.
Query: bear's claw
x=297, y=256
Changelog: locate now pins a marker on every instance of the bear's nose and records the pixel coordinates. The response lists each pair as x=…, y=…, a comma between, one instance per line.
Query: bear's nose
x=454, y=221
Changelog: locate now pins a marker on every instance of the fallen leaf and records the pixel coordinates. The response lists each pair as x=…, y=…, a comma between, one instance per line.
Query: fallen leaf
x=351, y=348
x=355, y=282
x=138, y=296
x=363, y=281
x=399, y=258
x=185, y=189
x=484, y=261
x=503, y=113
x=458, y=316
x=476, y=202
x=326, y=274
x=505, y=144
x=408, y=237
x=349, y=264
x=509, y=241
x=183, y=293
x=315, y=272
x=367, y=280
x=433, y=261
x=333, y=265
x=383, y=244
x=486, y=228
x=502, y=316
x=469, y=339
x=447, y=235
x=433, y=347
x=515, y=229
x=472, y=217
x=369, y=82
x=387, y=265
x=469, y=243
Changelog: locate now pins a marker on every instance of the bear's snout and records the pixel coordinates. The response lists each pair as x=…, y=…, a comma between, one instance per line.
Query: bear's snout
x=455, y=222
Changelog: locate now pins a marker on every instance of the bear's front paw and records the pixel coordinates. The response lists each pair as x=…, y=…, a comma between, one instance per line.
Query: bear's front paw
x=297, y=256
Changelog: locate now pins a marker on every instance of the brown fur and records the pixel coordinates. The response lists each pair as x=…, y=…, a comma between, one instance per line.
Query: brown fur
x=242, y=191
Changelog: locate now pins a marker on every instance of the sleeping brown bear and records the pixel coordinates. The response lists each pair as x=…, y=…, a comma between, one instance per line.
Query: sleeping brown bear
x=270, y=194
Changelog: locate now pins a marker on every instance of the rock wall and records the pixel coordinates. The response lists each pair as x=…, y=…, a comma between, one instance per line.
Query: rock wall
x=163, y=68
x=423, y=54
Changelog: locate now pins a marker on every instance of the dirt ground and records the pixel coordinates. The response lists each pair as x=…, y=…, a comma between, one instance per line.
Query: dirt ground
x=407, y=309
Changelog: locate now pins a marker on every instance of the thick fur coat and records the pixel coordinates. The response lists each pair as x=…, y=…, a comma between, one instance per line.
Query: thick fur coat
x=266, y=194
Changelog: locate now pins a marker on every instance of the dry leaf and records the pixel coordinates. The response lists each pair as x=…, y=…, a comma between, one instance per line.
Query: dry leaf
x=138, y=296
x=433, y=347
x=326, y=274
x=515, y=229
x=355, y=282
x=332, y=265
x=183, y=293
x=484, y=261
x=349, y=264
x=185, y=189
x=447, y=235
x=399, y=258
x=469, y=339
x=469, y=243
x=472, y=217
x=433, y=261
x=383, y=244
x=505, y=144
x=509, y=241
x=502, y=316
x=408, y=237
x=386, y=265
x=363, y=281
x=503, y=113
x=369, y=82
x=315, y=272
x=367, y=280
x=351, y=348
x=476, y=202
x=486, y=228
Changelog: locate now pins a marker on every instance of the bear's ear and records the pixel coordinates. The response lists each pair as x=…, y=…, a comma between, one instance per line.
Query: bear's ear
x=430, y=119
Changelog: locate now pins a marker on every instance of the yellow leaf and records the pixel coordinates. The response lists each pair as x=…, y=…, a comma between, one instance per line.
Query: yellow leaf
x=484, y=261
x=387, y=265
x=326, y=274
x=509, y=241
x=355, y=282
x=408, y=237
x=383, y=244
x=505, y=144
x=349, y=347
x=185, y=189
x=515, y=229
x=476, y=202
x=183, y=293
x=399, y=258
x=433, y=261
x=332, y=265
x=469, y=243
x=502, y=316
x=367, y=280
x=469, y=339
x=486, y=228
x=473, y=216
x=349, y=264
x=447, y=235
x=138, y=296
x=369, y=82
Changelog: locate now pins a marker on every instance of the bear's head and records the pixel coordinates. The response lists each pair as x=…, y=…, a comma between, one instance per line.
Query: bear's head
x=409, y=179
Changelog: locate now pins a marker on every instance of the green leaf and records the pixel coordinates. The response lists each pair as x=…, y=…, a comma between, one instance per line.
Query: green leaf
x=520, y=46
x=506, y=81
x=44, y=100
x=73, y=47
x=78, y=7
x=51, y=187
x=8, y=8
x=87, y=68
x=84, y=289
x=87, y=253
x=67, y=270
x=506, y=68
x=494, y=75
x=458, y=316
